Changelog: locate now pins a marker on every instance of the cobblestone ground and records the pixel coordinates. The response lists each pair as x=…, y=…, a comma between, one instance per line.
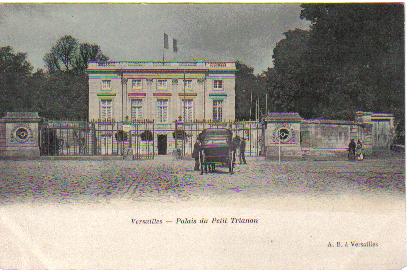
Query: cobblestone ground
x=164, y=178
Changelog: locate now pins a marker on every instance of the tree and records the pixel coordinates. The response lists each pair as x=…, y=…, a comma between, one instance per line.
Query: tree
x=64, y=96
x=62, y=93
x=88, y=52
x=361, y=47
x=248, y=88
x=15, y=71
x=351, y=59
x=63, y=55
x=65, y=88
x=68, y=55
x=285, y=82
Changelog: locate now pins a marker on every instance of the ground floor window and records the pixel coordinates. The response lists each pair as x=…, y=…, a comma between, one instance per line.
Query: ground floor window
x=106, y=109
x=187, y=110
x=217, y=110
x=162, y=110
x=136, y=109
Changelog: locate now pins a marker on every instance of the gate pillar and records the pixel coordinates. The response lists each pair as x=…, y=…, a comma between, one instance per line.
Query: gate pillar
x=282, y=135
x=19, y=133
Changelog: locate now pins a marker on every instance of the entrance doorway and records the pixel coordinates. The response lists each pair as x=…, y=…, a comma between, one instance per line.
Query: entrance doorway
x=162, y=144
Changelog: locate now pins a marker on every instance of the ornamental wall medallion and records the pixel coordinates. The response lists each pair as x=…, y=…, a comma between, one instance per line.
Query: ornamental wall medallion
x=21, y=134
x=284, y=134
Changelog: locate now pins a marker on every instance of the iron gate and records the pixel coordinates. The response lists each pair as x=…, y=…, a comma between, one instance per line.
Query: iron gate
x=79, y=138
x=139, y=138
x=251, y=131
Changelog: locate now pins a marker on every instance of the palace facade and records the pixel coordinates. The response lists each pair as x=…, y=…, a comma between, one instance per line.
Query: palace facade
x=162, y=91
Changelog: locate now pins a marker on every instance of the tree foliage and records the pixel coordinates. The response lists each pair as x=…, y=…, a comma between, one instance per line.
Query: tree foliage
x=15, y=74
x=59, y=93
x=66, y=81
x=351, y=59
x=68, y=55
x=88, y=52
x=284, y=81
x=249, y=88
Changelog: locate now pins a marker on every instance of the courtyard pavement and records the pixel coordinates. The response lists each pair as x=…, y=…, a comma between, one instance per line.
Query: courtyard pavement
x=80, y=214
x=165, y=178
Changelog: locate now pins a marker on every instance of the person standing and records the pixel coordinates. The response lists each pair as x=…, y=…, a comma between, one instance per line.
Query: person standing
x=359, y=150
x=195, y=152
x=242, y=154
x=351, y=149
x=235, y=146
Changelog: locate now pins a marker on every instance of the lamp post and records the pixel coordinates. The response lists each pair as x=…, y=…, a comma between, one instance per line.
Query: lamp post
x=183, y=101
x=251, y=102
x=184, y=119
x=243, y=91
x=278, y=133
x=123, y=97
x=267, y=109
x=205, y=80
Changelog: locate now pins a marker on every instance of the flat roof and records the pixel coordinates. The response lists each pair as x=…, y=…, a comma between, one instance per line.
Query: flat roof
x=140, y=66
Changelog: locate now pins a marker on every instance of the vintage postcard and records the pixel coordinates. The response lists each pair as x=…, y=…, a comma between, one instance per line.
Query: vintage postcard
x=202, y=136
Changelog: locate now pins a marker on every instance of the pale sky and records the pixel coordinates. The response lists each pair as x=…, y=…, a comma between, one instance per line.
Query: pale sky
x=244, y=32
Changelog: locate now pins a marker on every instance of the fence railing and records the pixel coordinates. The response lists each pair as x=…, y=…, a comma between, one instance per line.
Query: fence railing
x=251, y=131
x=72, y=138
x=140, y=139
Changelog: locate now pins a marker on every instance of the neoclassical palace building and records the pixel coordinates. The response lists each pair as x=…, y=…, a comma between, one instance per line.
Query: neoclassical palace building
x=162, y=91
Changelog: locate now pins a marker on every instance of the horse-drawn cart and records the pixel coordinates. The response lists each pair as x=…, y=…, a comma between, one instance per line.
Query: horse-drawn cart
x=216, y=149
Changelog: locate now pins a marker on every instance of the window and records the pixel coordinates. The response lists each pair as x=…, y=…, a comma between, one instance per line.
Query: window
x=187, y=109
x=162, y=84
x=106, y=110
x=218, y=84
x=136, y=109
x=106, y=84
x=136, y=84
x=217, y=110
x=162, y=110
x=188, y=84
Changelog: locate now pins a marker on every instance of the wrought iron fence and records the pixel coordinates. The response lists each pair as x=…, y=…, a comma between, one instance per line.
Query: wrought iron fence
x=139, y=139
x=251, y=131
x=106, y=138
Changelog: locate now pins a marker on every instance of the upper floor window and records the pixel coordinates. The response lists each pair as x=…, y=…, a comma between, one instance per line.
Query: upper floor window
x=106, y=84
x=187, y=83
x=136, y=84
x=218, y=84
x=162, y=110
x=162, y=84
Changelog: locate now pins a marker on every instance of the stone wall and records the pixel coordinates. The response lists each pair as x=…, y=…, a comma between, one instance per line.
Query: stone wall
x=331, y=137
x=328, y=138
x=382, y=128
